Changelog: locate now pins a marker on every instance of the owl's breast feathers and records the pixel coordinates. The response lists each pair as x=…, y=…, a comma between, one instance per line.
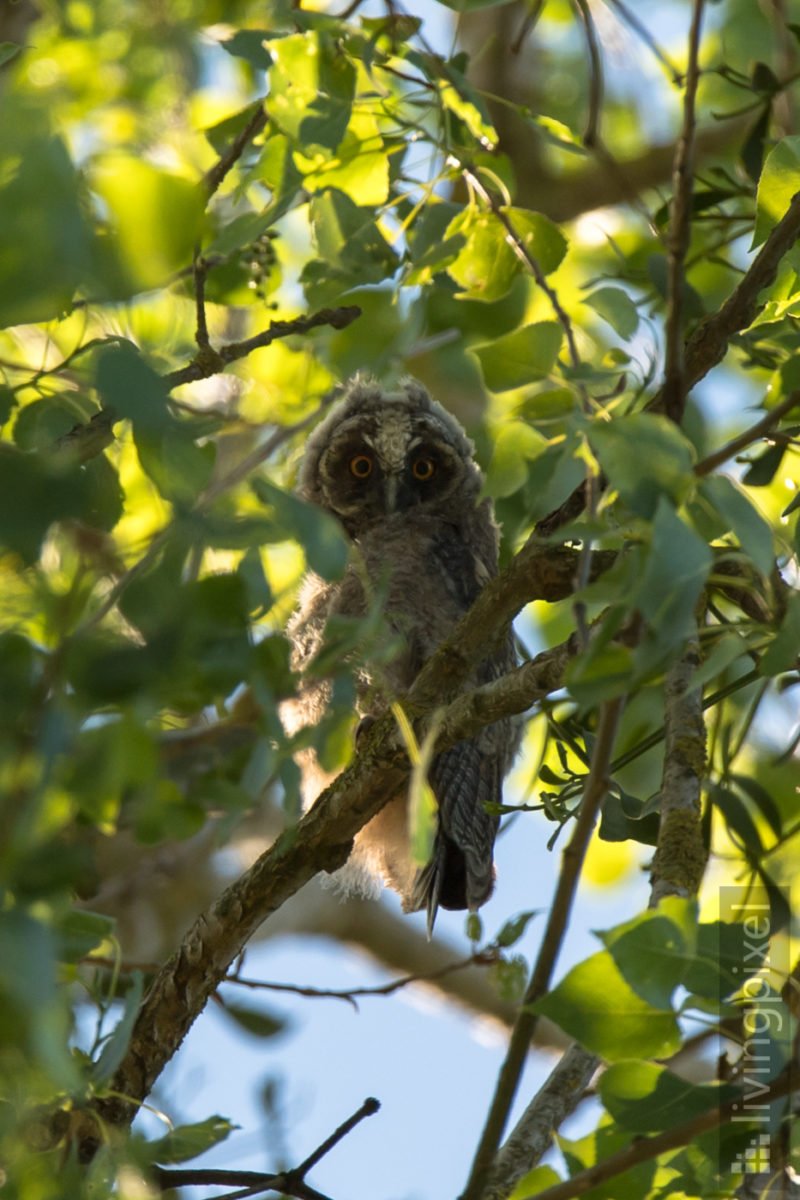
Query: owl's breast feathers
x=433, y=570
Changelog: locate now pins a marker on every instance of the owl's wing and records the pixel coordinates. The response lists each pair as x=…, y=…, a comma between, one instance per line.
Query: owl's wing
x=460, y=873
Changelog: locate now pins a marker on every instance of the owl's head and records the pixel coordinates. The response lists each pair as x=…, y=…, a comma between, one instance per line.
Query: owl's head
x=379, y=453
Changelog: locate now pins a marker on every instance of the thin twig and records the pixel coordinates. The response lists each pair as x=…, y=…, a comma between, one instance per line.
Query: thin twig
x=481, y=958
x=590, y=135
x=646, y=36
x=675, y=390
x=574, y=853
x=212, y=362
x=745, y=439
x=368, y=1109
x=215, y=175
x=529, y=23
x=709, y=342
x=527, y=259
x=199, y=272
x=289, y=1183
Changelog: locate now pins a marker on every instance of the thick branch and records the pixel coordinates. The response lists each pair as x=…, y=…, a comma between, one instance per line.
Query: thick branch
x=556, y=1099
x=708, y=344
x=677, y=870
x=680, y=857
x=322, y=840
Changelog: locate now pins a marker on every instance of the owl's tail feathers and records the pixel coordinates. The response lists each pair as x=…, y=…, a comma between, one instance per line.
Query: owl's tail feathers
x=460, y=873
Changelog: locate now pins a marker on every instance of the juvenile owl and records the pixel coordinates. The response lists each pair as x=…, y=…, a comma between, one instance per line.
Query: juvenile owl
x=397, y=470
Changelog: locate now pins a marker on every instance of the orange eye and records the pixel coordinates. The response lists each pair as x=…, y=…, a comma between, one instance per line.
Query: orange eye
x=424, y=469
x=361, y=466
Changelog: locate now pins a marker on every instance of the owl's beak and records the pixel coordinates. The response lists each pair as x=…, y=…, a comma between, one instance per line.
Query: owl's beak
x=390, y=483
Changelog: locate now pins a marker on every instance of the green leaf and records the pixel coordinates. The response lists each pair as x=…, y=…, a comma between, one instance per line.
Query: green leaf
x=540, y=236
x=727, y=649
x=349, y=243
x=616, y=307
x=715, y=969
x=312, y=84
x=33, y=1019
x=779, y=183
x=647, y=1098
x=249, y=44
x=675, y=572
x=47, y=243
x=116, y=1046
x=486, y=266
x=256, y=1021
x=741, y=516
x=320, y=534
x=595, y=1004
x=129, y=386
x=625, y=819
x=781, y=654
x=644, y=457
x=510, y=976
x=8, y=402
x=517, y=445
x=80, y=932
x=8, y=50
x=514, y=928
x=651, y=949
x=602, y=672
x=634, y=1184
x=155, y=217
x=178, y=467
x=468, y=107
x=35, y=492
x=188, y=1141
x=359, y=168
x=520, y=357
x=762, y=470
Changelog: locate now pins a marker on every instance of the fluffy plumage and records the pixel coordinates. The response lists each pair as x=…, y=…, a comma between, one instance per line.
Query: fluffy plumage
x=398, y=471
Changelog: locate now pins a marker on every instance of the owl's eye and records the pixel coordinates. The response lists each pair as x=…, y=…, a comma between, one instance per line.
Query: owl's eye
x=423, y=469
x=361, y=466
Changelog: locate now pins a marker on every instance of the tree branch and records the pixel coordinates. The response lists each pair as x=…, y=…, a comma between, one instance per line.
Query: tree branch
x=288, y=1183
x=681, y=855
x=557, y=1098
x=677, y=870
x=215, y=175
x=595, y=790
x=674, y=390
x=745, y=439
x=643, y=1149
x=707, y=345
x=322, y=839
x=211, y=362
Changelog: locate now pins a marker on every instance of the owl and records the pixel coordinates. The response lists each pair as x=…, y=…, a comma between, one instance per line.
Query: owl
x=398, y=472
